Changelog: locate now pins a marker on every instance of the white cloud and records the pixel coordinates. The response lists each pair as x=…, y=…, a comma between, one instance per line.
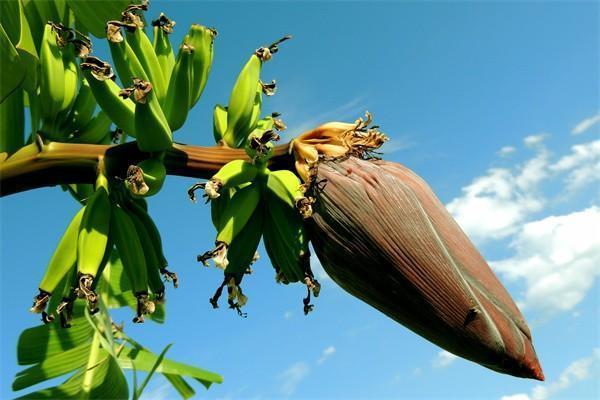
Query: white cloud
x=520, y=396
x=493, y=205
x=534, y=140
x=326, y=354
x=292, y=376
x=287, y=315
x=578, y=370
x=443, y=359
x=162, y=392
x=586, y=124
x=558, y=257
x=583, y=165
x=506, y=151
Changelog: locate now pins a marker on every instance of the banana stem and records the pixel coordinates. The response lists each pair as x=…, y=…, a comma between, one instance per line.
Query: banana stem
x=55, y=163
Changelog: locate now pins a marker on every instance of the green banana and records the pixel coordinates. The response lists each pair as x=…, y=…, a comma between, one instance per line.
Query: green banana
x=177, y=102
x=286, y=241
x=163, y=27
x=63, y=260
x=241, y=253
x=143, y=49
x=12, y=122
x=202, y=39
x=137, y=207
x=83, y=108
x=232, y=174
x=132, y=255
x=152, y=260
x=147, y=177
x=241, y=108
x=92, y=241
x=71, y=76
x=153, y=132
x=121, y=111
x=219, y=122
x=235, y=216
x=52, y=81
x=126, y=62
x=95, y=131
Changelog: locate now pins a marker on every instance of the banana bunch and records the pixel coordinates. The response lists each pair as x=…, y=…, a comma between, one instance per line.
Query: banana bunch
x=110, y=219
x=233, y=124
x=248, y=201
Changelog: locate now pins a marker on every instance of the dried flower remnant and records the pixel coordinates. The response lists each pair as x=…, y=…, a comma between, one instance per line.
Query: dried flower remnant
x=383, y=236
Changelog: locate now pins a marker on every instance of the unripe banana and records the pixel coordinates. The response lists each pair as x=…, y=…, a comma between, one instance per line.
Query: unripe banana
x=177, y=102
x=147, y=177
x=71, y=76
x=235, y=216
x=132, y=255
x=12, y=122
x=286, y=241
x=163, y=27
x=152, y=261
x=241, y=103
x=95, y=131
x=83, y=109
x=241, y=108
x=219, y=122
x=241, y=253
x=121, y=111
x=232, y=174
x=142, y=47
x=92, y=241
x=126, y=61
x=151, y=126
x=63, y=260
x=52, y=83
x=136, y=206
x=201, y=39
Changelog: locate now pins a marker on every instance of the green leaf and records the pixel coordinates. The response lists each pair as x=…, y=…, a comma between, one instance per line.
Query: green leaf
x=52, y=367
x=11, y=71
x=182, y=387
x=138, y=392
x=37, y=344
x=26, y=49
x=102, y=380
x=144, y=361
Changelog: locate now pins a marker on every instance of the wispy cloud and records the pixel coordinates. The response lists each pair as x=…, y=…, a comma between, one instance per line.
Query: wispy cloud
x=506, y=151
x=578, y=370
x=287, y=315
x=535, y=140
x=164, y=391
x=443, y=359
x=585, y=124
x=326, y=354
x=292, y=376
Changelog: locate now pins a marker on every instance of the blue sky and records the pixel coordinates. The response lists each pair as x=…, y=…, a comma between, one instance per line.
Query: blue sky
x=496, y=105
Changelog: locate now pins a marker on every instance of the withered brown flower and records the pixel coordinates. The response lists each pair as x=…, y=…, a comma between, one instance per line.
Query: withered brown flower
x=382, y=235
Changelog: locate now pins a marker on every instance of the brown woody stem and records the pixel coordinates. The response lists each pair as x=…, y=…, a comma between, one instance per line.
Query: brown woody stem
x=57, y=163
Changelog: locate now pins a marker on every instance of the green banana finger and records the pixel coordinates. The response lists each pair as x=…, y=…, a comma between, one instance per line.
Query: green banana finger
x=232, y=174
x=92, y=241
x=176, y=104
x=52, y=84
x=202, y=39
x=143, y=49
x=83, y=108
x=163, y=27
x=121, y=111
x=219, y=122
x=126, y=62
x=132, y=255
x=63, y=260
